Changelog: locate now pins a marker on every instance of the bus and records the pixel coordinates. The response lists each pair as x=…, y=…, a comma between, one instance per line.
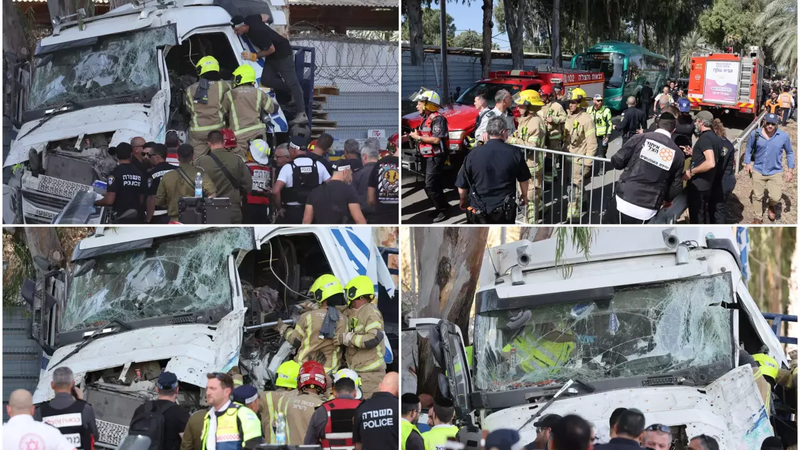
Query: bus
x=626, y=68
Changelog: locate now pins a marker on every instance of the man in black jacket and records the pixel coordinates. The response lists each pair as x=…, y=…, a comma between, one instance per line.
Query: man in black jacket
x=646, y=96
x=652, y=166
x=632, y=120
x=628, y=432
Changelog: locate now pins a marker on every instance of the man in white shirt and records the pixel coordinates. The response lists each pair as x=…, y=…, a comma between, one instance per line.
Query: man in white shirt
x=295, y=182
x=484, y=114
x=502, y=102
x=22, y=432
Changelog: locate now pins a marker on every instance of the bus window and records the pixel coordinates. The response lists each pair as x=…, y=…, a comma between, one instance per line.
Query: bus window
x=611, y=64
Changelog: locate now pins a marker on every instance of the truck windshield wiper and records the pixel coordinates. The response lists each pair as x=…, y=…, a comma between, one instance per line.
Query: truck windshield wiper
x=55, y=111
x=95, y=334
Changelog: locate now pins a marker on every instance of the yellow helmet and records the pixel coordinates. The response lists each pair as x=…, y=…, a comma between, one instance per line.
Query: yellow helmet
x=580, y=95
x=359, y=287
x=244, y=74
x=287, y=375
x=432, y=100
x=768, y=365
x=207, y=64
x=325, y=287
x=528, y=97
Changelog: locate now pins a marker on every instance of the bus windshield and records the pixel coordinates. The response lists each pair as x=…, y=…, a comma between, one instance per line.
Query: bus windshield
x=642, y=330
x=610, y=63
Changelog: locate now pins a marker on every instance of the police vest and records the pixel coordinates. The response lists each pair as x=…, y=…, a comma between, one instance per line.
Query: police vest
x=304, y=180
x=406, y=428
x=429, y=150
x=262, y=180
x=538, y=353
x=438, y=436
x=69, y=422
x=232, y=429
x=786, y=100
x=339, y=429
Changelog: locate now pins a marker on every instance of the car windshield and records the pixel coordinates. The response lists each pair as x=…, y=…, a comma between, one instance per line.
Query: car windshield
x=611, y=64
x=177, y=275
x=113, y=66
x=643, y=330
x=468, y=97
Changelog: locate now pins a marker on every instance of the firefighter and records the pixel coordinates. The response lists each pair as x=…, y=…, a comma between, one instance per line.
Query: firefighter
x=331, y=425
x=272, y=402
x=228, y=172
x=531, y=132
x=235, y=426
x=431, y=139
x=180, y=183
x=554, y=116
x=602, y=124
x=580, y=139
x=316, y=329
x=311, y=382
x=243, y=105
x=204, y=103
x=537, y=347
x=363, y=335
x=765, y=376
x=256, y=208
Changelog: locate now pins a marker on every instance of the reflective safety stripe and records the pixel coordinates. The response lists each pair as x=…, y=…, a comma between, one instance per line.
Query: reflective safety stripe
x=239, y=131
x=373, y=326
x=358, y=340
x=305, y=346
x=195, y=126
x=270, y=407
x=374, y=365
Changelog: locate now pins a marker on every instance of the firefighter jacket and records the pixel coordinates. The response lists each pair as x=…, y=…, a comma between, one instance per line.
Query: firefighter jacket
x=530, y=131
x=579, y=133
x=207, y=116
x=307, y=338
x=365, y=351
x=243, y=105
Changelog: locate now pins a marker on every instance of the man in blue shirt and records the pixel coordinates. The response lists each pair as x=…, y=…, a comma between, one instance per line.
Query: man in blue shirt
x=764, y=160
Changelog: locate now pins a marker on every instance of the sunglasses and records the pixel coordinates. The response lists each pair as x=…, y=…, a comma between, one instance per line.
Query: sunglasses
x=147, y=154
x=658, y=427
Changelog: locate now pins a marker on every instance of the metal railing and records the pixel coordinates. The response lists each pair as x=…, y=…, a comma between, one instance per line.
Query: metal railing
x=743, y=138
x=777, y=321
x=564, y=189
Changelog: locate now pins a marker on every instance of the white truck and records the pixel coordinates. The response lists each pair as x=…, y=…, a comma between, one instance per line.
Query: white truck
x=652, y=319
x=99, y=81
x=141, y=300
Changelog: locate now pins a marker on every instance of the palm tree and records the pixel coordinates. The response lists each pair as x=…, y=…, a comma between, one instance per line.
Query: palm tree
x=781, y=18
x=691, y=43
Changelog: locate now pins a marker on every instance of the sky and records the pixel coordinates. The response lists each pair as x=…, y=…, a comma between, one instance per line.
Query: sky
x=470, y=17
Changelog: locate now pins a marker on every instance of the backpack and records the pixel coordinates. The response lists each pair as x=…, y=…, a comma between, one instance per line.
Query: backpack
x=149, y=421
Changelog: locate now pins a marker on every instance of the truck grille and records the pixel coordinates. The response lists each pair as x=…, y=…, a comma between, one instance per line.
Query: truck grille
x=40, y=200
x=111, y=433
x=61, y=188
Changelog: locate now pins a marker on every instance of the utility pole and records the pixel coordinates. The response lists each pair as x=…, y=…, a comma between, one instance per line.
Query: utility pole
x=586, y=25
x=443, y=30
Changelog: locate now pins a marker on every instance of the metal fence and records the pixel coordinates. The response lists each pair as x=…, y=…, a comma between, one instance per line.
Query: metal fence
x=567, y=188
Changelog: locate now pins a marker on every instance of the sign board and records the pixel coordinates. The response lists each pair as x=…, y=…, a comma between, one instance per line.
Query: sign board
x=721, y=84
x=378, y=134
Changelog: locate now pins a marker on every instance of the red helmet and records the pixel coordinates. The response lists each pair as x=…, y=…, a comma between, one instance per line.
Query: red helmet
x=311, y=145
x=546, y=90
x=393, y=140
x=229, y=138
x=312, y=373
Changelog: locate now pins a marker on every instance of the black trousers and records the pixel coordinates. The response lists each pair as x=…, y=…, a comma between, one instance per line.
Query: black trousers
x=699, y=201
x=497, y=217
x=434, y=168
x=293, y=214
x=256, y=213
x=601, y=149
x=162, y=219
x=647, y=107
x=628, y=220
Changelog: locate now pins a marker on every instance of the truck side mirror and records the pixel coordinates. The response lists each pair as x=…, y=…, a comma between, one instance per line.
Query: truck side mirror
x=28, y=290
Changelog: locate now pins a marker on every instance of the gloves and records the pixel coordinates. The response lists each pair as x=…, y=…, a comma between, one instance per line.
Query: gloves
x=249, y=56
x=347, y=338
x=281, y=327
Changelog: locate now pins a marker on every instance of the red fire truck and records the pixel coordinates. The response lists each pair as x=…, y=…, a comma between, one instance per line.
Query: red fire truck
x=727, y=83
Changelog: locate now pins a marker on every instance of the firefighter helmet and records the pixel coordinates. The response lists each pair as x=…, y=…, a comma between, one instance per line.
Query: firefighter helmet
x=432, y=100
x=767, y=364
x=287, y=375
x=229, y=138
x=325, y=287
x=312, y=374
x=260, y=151
x=351, y=374
x=244, y=74
x=358, y=287
x=528, y=97
x=207, y=64
x=546, y=90
x=579, y=95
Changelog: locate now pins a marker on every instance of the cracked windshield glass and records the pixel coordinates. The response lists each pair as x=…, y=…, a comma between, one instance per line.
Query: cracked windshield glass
x=117, y=65
x=642, y=330
x=175, y=276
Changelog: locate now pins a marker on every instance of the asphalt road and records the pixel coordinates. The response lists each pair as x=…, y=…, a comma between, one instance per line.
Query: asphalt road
x=417, y=209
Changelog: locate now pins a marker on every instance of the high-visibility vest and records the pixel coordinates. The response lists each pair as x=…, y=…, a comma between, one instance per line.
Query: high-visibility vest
x=275, y=402
x=438, y=436
x=429, y=150
x=785, y=99
x=339, y=428
x=406, y=428
x=235, y=426
x=536, y=354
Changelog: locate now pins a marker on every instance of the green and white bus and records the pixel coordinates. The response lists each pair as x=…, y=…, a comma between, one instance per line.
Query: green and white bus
x=626, y=68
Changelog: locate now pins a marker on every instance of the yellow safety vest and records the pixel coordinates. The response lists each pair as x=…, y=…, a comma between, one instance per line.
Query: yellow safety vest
x=536, y=354
x=228, y=434
x=438, y=436
x=406, y=428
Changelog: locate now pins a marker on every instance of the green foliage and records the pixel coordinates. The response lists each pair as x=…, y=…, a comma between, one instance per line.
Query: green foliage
x=17, y=266
x=471, y=39
x=732, y=23
x=770, y=257
x=779, y=20
x=430, y=27
x=581, y=239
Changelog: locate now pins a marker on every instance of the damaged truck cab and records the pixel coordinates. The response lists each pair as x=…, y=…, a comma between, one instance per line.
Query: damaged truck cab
x=653, y=319
x=138, y=301
x=99, y=81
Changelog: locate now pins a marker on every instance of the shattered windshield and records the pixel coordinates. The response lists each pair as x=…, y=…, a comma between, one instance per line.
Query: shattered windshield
x=642, y=330
x=114, y=66
x=176, y=275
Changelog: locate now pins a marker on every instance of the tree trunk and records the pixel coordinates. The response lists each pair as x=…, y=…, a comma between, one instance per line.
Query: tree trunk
x=586, y=25
x=443, y=51
x=514, y=27
x=794, y=286
x=676, y=63
x=44, y=242
x=414, y=8
x=13, y=33
x=555, y=41
x=488, y=26
x=775, y=280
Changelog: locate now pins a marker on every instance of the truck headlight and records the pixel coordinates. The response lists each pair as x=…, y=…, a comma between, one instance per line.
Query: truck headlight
x=456, y=135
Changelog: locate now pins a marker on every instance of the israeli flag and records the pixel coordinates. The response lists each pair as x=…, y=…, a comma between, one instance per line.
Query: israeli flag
x=743, y=241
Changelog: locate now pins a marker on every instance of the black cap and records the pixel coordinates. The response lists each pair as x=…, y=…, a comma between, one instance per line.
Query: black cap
x=444, y=402
x=547, y=421
x=167, y=380
x=341, y=165
x=236, y=20
x=299, y=142
x=666, y=116
x=409, y=399
x=123, y=150
x=503, y=439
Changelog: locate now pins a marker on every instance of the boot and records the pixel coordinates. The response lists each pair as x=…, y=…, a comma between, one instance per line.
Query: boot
x=299, y=118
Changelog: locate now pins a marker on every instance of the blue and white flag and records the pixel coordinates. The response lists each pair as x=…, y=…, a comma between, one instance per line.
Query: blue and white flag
x=743, y=241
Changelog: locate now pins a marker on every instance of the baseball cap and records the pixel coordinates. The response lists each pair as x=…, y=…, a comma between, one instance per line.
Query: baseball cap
x=121, y=146
x=705, y=116
x=598, y=96
x=167, y=380
x=547, y=421
x=341, y=165
x=684, y=105
x=504, y=439
x=237, y=20
x=245, y=394
x=298, y=142
x=771, y=118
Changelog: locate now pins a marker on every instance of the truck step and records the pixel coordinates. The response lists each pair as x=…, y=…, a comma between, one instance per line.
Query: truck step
x=326, y=90
x=320, y=98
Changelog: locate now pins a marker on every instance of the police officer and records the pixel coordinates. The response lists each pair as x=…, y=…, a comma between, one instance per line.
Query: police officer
x=247, y=395
x=67, y=411
x=652, y=166
x=180, y=183
x=126, y=187
x=531, y=132
x=311, y=382
x=243, y=105
x=431, y=139
x=580, y=140
x=331, y=424
x=235, y=426
x=410, y=436
x=228, y=172
x=602, y=124
x=204, y=102
x=441, y=422
x=554, y=116
x=272, y=402
x=157, y=215
x=316, y=329
x=376, y=419
x=363, y=335
x=295, y=182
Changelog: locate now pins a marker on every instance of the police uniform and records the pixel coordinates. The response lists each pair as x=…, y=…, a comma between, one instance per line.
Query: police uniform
x=331, y=424
x=300, y=176
x=602, y=126
x=437, y=437
x=154, y=177
x=298, y=411
x=226, y=187
x=130, y=187
x=73, y=418
x=206, y=113
x=235, y=425
x=180, y=183
x=365, y=353
x=581, y=140
x=376, y=422
x=531, y=132
x=556, y=113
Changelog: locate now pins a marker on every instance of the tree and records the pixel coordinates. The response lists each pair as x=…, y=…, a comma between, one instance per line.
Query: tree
x=730, y=23
x=430, y=27
x=779, y=18
x=487, y=44
x=412, y=30
x=471, y=39
x=555, y=41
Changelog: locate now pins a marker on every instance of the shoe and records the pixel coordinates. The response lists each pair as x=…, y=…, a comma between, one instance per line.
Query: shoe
x=771, y=213
x=441, y=217
x=299, y=118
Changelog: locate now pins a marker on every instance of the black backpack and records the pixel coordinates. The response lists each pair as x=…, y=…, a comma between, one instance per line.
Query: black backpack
x=149, y=421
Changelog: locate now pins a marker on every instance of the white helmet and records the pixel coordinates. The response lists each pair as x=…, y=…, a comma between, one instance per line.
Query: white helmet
x=427, y=95
x=260, y=151
x=349, y=373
